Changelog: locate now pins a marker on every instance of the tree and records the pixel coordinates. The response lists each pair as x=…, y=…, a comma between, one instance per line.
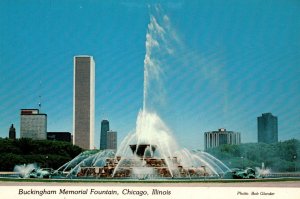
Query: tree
x=43, y=152
x=282, y=156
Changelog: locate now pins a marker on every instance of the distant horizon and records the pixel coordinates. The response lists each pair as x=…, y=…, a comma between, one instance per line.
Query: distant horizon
x=222, y=64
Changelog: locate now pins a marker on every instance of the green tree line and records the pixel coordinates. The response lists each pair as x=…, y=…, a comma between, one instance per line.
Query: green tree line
x=45, y=153
x=280, y=157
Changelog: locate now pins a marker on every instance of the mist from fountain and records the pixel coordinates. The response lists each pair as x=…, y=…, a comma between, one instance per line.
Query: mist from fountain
x=24, y=170
x=263, y=171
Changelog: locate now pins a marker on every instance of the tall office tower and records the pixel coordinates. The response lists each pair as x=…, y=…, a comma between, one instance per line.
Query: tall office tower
x=222, y=136
x=33, y=124
x=84, y=102
x=103, y=136
x=111, y=140
x=267, y=128
x=12, y=132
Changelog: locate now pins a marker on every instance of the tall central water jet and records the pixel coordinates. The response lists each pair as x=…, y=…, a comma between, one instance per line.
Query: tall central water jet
x=149, y=127
x=152, y=70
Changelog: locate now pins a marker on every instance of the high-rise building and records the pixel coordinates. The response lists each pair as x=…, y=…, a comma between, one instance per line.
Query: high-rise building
x=33, y=124
x=222, y=136
x=111, y=140
x=12, y=132
x=103, y=134
x=84, y=102
x=267, y=128
x=108, y=139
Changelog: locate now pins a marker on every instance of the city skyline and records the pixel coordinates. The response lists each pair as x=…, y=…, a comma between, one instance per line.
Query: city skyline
x=229, y=62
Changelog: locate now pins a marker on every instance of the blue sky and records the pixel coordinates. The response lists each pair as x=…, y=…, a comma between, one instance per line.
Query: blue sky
x=231, y=61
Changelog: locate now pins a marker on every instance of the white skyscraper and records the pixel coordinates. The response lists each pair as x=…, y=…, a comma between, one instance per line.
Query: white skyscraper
x=84, y=102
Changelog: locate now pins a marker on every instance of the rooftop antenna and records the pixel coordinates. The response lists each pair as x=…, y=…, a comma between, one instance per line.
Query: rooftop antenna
x=40, y=103
x=40, y=97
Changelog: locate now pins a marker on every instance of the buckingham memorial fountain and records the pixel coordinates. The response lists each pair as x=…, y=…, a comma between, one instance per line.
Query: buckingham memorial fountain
x=151, y=151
